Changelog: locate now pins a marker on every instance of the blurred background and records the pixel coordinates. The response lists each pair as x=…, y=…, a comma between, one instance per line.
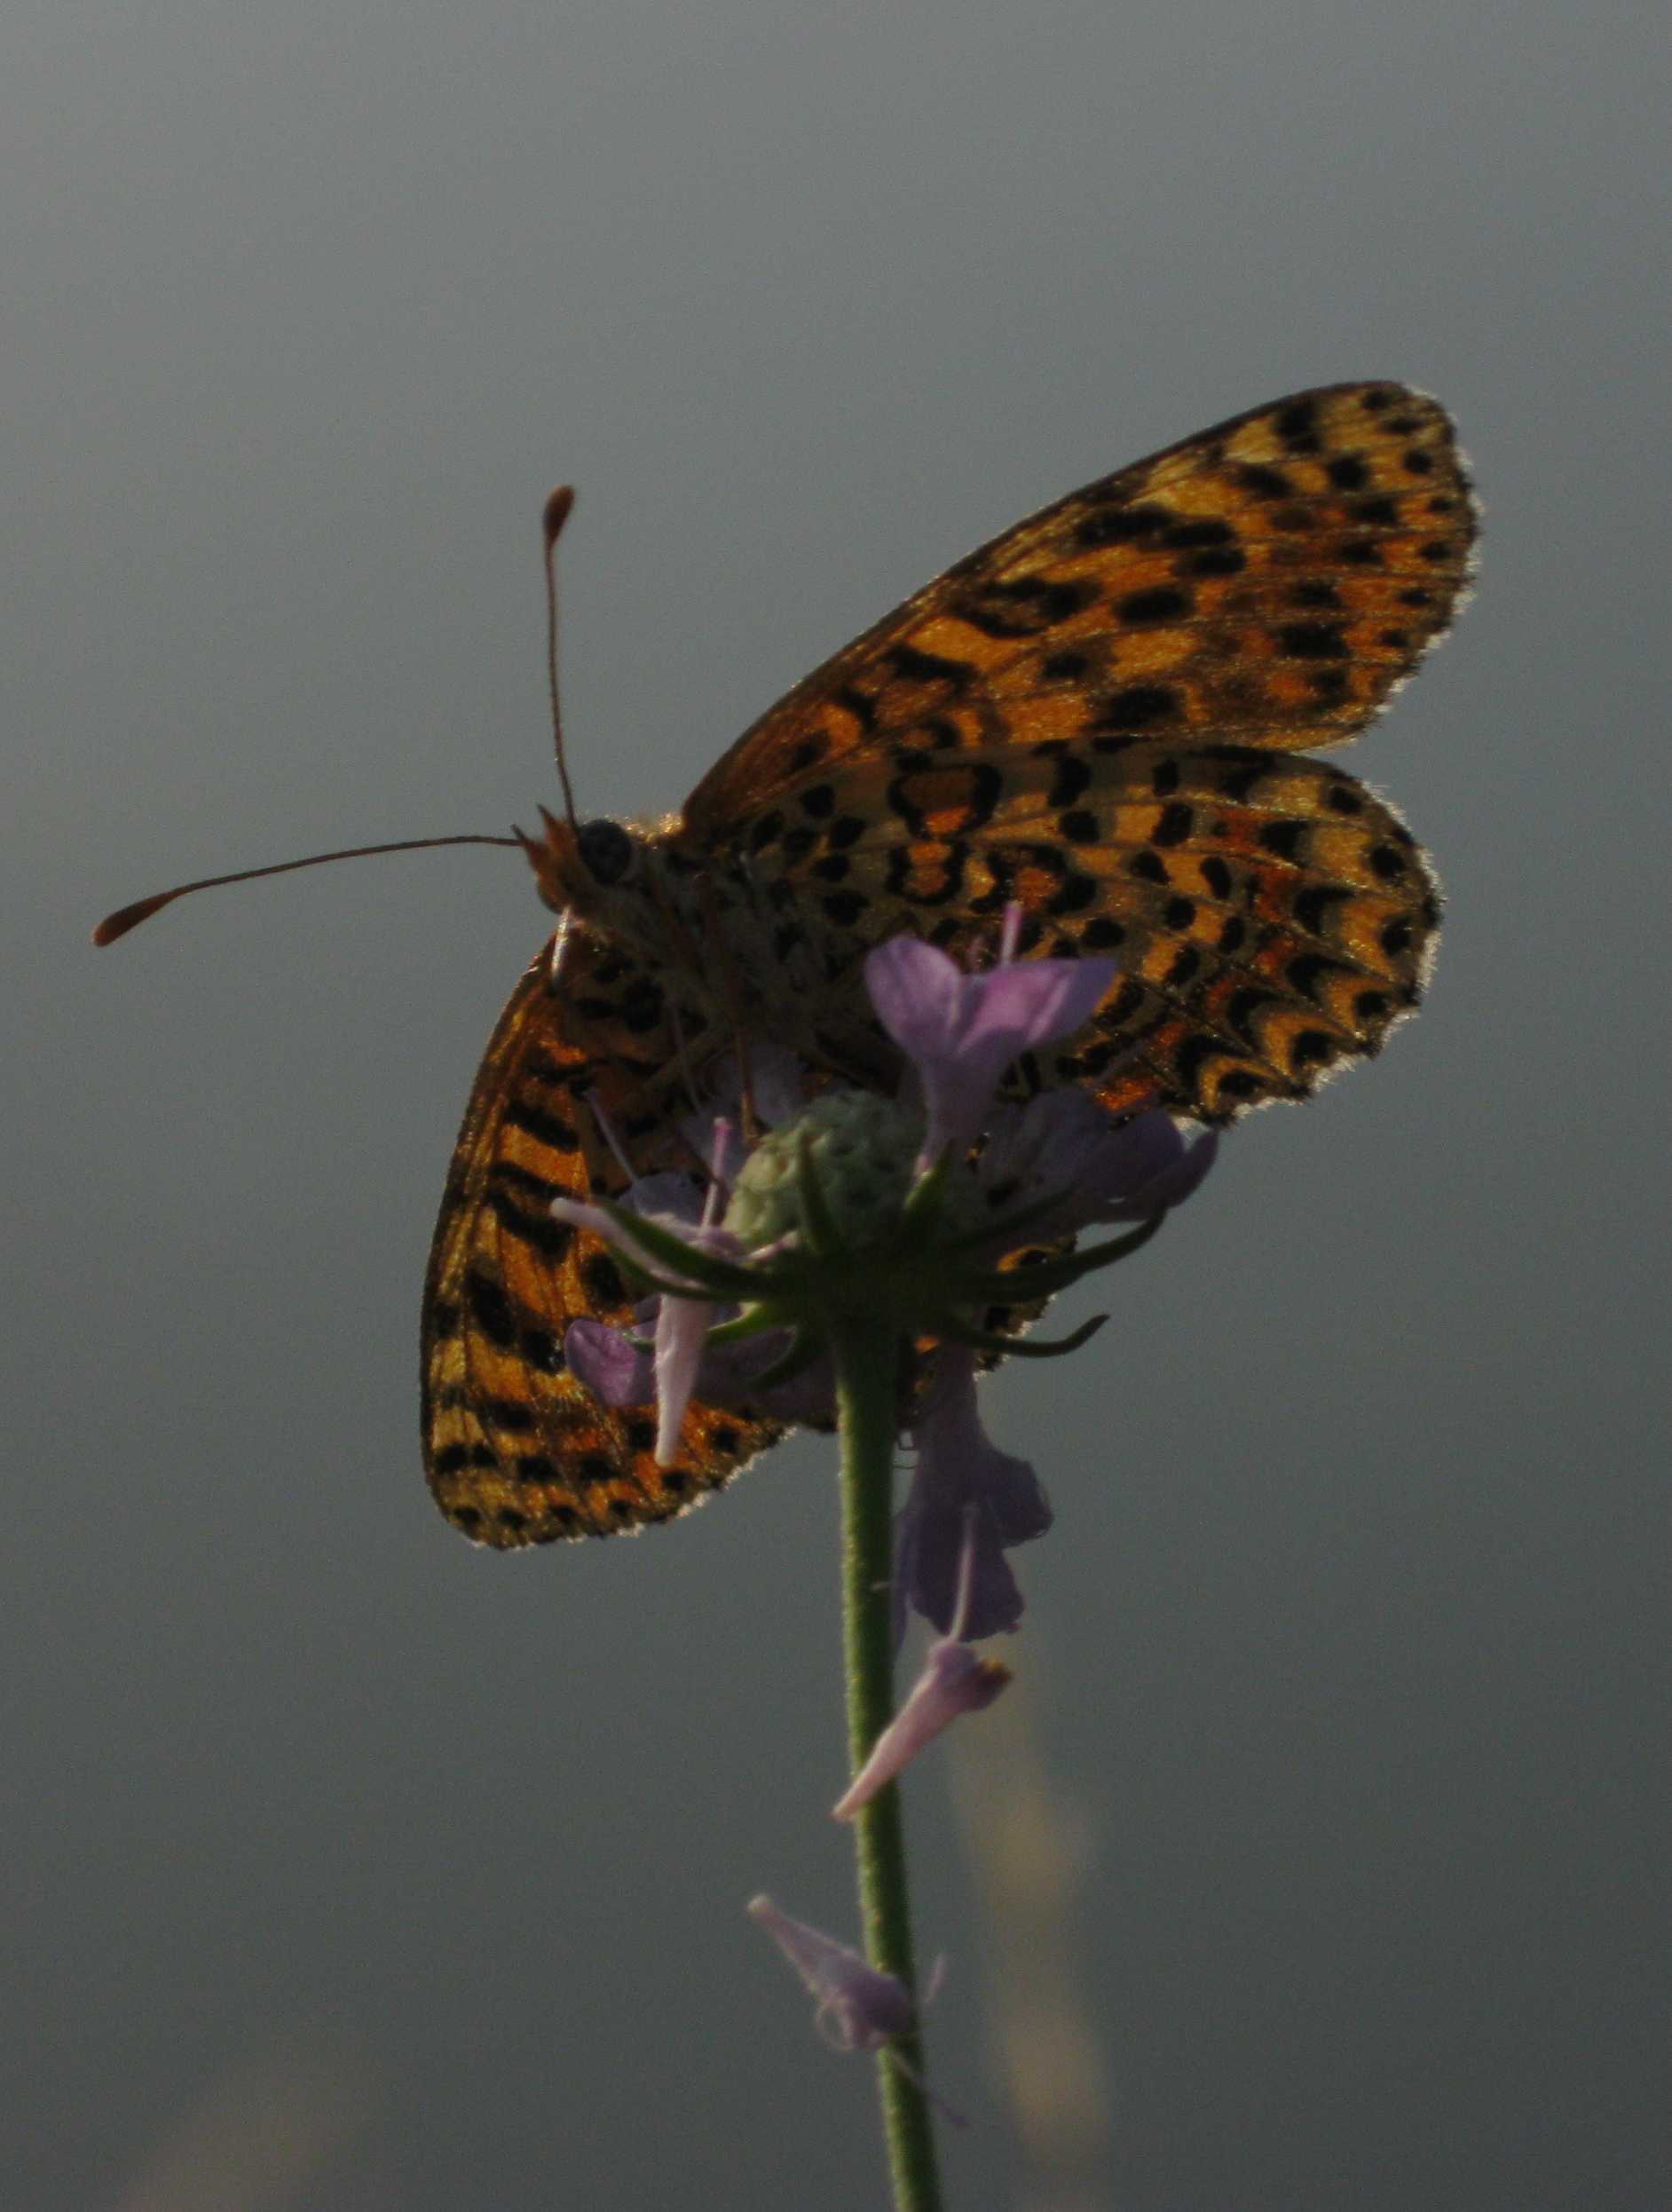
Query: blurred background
x=352, y=1869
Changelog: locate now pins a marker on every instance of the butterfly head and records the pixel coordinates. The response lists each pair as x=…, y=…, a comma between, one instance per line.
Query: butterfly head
x=587, y=868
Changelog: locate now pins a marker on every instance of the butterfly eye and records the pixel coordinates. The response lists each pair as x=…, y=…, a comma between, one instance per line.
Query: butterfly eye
x=606, y=850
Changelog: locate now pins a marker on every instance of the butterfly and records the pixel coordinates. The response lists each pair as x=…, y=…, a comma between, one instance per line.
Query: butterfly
x=1102, y=715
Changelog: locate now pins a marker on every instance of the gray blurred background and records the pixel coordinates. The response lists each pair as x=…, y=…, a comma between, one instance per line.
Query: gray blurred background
x=351, y=1869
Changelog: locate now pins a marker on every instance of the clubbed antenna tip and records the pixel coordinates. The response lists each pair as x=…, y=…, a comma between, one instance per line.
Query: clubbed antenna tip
x=126, y=918
x=557, y=512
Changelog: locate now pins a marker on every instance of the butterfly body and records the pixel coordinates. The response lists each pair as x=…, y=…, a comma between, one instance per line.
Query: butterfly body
x=755, y=958
x=1104, y=716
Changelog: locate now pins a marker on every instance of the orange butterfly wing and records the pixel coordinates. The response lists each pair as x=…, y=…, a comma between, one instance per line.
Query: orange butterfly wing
x=1095, y=715
x=515, y=1450
x=1269, y=581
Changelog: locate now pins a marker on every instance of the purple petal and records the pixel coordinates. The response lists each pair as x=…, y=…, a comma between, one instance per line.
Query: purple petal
x=608, y=1364
x=859, y=2008
x=1174, y=1183
x=918, y=992
x=1127, y=1158
x=1064, y=1145
x=779, y=1085
x=960, y=1033
x=730, y=1375
x=1011, y=1010
x=1144, y=1168
x=606, y=1361
x=673, y=1197
x=682, y=1335
x=931, y=1007
x=959, y=1462
x=968, y=1504
x=1015, y=1498
x=955, y=1681
x=931, y=1579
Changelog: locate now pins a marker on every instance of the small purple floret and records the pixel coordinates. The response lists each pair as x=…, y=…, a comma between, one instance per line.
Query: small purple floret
x=617, y=1372
x=859, y=2008
x=1062, y=1147
x=960, y=1033
x=955, y=1681
x=613, y=1370
x=968, y=1504
x=608, y=1363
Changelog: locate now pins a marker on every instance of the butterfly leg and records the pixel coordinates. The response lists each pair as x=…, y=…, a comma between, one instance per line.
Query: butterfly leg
x=730, y=994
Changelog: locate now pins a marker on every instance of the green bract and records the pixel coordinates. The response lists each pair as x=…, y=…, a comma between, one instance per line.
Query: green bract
x=842, y=1221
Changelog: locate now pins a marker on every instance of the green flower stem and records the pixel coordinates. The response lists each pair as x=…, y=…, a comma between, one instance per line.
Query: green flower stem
x=867, y=1365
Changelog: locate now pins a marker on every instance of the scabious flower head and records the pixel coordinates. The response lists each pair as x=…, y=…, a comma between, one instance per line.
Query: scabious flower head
x=860, y=1147
x=903, y=1209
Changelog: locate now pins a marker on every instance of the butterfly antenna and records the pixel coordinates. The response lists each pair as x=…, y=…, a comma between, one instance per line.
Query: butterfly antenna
x=558, y=507
x=126, y=918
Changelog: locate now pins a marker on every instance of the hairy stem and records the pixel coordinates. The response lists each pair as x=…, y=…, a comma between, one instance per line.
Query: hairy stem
x=867, y=1366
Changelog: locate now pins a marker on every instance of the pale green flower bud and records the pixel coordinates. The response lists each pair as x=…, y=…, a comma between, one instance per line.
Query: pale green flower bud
x=865, y=1151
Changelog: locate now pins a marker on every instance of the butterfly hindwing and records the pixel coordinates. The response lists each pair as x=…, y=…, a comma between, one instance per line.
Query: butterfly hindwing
x=1270, y=917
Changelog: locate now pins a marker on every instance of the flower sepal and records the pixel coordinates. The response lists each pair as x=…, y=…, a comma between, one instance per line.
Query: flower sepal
x=1020, y=1347
x=694, y=1271
x=1043, y=1278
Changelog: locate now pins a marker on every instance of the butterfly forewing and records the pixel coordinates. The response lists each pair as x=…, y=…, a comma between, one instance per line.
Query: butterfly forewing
x=1270, y=917
x=517, y=1450
x=1265, y=582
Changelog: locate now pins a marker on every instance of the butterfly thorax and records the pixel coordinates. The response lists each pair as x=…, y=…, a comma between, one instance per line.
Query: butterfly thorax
x=740, y=957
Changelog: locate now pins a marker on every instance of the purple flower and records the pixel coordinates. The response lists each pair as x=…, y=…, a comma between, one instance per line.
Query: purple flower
x=960, y=1033
x=968, y=1504
x=1040, y=1174
x=955, y=1681
x=618, y=1373
x=859, y=2007
x=610, y=1365
x=680, y=1364
x=1064, y=1148
x=608, y=1362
